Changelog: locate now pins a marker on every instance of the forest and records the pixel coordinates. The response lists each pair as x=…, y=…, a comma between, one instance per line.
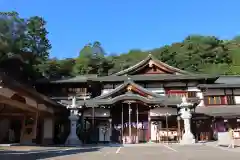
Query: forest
x=27, y=38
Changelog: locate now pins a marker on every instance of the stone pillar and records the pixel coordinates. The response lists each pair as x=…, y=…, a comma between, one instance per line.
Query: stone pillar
x=48, y=131
x=73, y=139
x=187, y=137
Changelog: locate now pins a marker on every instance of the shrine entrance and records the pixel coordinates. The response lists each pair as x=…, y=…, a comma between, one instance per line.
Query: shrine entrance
x=124, y=113
x=130, y=121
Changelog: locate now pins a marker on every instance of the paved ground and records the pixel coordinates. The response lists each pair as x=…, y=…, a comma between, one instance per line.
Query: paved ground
x=131, y=152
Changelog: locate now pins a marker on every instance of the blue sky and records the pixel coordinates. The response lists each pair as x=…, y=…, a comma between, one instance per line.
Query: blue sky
x=121, y=25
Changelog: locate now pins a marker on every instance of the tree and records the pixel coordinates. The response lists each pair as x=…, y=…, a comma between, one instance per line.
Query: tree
x=26, y=38
x=92, y=60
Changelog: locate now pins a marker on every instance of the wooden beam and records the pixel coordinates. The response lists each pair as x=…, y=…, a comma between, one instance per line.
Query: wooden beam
x=19, y=105
x=12, y=114
x=24, y=106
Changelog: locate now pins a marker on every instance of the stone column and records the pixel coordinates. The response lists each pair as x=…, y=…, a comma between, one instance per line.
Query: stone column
x=187, y=137
x=48, y=131
x=73, y=139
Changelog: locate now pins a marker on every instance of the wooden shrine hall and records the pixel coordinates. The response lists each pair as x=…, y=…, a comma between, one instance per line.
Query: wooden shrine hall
x=26, y=116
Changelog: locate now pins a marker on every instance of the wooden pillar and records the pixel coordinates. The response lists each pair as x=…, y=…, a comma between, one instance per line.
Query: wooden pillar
x=22, y=129
x=36, y=124
x=28, y=132
x=93, y=117
x=122, y=126
x=166, y=116
x=179, y=128
x=137, y=125
x=149, y=127
x=129, y=122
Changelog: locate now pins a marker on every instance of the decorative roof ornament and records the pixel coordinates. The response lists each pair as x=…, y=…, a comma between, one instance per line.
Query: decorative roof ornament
x=150, y=63
x=129, y=88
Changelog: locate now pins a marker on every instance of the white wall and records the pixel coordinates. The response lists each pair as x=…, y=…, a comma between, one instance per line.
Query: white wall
x=237, y=99
x=214, y=92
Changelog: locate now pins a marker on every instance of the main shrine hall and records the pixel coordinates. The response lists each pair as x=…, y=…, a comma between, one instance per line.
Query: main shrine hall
x=142, y=103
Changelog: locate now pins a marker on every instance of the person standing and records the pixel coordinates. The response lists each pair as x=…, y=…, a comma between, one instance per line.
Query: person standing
x=231, y=135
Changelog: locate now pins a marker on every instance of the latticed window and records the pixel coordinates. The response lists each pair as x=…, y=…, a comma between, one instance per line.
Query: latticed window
x=177, y=93
x=192, y=94
x=215, y=100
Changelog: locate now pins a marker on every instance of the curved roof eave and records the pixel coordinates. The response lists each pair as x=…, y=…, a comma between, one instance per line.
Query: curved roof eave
x=125, y=84
x=162, y=101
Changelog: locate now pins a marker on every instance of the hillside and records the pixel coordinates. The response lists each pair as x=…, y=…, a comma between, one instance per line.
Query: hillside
x=27, y=38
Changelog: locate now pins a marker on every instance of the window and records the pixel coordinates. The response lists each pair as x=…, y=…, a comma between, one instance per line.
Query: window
x=177, y=93
x=215, y=100
x=74, y=90
x=192, y=94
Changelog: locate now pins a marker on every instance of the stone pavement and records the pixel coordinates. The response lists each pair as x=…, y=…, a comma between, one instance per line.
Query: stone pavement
x=224, y=147
x=133, y=152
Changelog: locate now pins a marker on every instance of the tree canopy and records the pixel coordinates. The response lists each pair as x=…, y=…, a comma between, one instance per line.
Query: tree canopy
x=27, y=38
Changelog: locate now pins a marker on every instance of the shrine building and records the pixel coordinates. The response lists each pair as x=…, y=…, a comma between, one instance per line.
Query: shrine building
x=136, y=105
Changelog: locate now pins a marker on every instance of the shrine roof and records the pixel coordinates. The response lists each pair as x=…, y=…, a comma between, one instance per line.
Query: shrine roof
x=222, y=110
x=116, y=95
x=135, y=97
x=127, y=83
x=145, y=62
x=76, y=79
x=26, y=90
x=155, y=77
x=219, y=85
x=229, y=79
x=96, y=102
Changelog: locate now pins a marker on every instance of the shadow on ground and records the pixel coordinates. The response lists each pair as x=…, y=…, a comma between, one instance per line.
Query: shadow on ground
x=32, y=155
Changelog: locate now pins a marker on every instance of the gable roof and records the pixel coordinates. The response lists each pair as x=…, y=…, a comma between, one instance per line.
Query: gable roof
x=145, y=62
x=124, y=85
x=106, y=99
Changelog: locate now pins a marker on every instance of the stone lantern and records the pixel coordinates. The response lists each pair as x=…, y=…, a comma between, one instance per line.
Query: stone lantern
x=186, y=115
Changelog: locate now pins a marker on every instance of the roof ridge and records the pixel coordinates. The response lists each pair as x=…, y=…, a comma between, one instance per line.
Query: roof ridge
x=139, y=63
x=150, y=57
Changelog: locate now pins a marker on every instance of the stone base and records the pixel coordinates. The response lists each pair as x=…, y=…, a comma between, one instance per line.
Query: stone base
x=73, y=142
x=187, y=139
